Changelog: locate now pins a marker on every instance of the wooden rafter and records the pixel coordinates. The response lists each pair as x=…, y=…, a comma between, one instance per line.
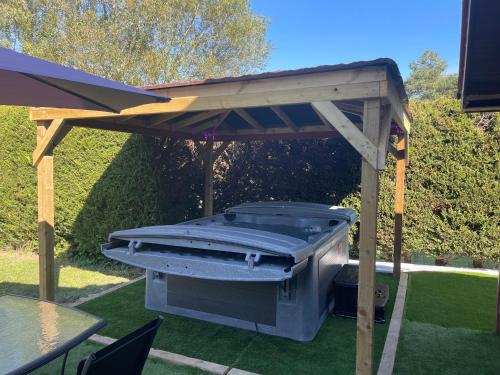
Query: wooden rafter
x=285, y=118
x=348, y=130
x=161, y=119
x=249, y=119
x=195, y=119
x=211, y=124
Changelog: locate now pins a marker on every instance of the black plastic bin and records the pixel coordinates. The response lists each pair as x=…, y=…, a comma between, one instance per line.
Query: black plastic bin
x=345, y=289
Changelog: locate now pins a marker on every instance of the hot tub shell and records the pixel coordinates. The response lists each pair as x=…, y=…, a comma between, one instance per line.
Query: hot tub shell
x=265, y=266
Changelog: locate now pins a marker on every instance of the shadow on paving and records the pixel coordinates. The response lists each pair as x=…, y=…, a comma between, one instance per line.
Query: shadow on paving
x=331, y=352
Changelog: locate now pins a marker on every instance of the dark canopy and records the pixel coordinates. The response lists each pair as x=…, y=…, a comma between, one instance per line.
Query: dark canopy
x=25, y=80
x=479, y=75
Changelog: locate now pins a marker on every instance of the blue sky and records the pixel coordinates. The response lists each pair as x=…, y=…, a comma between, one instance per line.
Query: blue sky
x=316, y=32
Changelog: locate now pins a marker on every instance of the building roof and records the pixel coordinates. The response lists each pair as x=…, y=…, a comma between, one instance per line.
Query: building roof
x=479, y=71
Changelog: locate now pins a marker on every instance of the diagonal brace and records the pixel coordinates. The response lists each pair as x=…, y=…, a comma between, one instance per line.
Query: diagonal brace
x=349, y=131
x=54, y=134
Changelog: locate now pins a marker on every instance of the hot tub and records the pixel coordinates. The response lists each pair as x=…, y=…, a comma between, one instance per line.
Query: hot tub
x=265, y=266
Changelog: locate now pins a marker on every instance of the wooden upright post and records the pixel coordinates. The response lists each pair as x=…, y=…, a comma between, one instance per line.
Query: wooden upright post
x=498, y=302
x=208, y=166
x=399, y=204
x=367, y=244
x=45, y=173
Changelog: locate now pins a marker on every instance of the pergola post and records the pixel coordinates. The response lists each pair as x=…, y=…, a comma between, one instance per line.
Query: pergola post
x=399, y=204
x=367, y=244
x=208, y=166
x=45, y=175
x=498, y=302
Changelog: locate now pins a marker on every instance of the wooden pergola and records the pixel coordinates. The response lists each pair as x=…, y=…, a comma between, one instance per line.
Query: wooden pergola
x=359, y=101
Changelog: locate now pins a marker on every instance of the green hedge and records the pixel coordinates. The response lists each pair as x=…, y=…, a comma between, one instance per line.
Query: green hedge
x=105, y=181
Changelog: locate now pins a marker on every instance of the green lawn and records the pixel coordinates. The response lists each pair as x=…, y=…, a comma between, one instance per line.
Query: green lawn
x=331, y=352
x=449, y=325
x=19, y=275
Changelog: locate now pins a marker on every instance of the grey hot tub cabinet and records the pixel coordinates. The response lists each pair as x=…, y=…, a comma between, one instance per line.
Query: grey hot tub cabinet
x=265, y=266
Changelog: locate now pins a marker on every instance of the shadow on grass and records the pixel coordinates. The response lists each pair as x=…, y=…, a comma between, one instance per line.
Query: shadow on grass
x=331, y=352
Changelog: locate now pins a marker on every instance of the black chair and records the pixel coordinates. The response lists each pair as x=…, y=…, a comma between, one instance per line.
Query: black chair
x=125, y=356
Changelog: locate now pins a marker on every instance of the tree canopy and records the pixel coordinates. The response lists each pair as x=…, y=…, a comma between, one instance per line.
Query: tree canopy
x=428, y=78
x=139, y=41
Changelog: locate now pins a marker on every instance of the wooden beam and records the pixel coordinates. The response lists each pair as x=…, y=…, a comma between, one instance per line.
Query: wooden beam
x=284, y=117
x=214, y=123
x=129, y=128
x=498, y=302
x=249, y=119
x=385, y=131
x=208, y=167
x=233, y=137
x=399, y=109
x=399, y=206
x=45, y=178
x=349, y=131
x=221, y=149
x=351, y=91
x=363, y=75
x=367, y=245
x=46, y=144
x=324, y=121
x=392, y=149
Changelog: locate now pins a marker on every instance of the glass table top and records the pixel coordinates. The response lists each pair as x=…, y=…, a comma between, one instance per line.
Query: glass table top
x=34, y=332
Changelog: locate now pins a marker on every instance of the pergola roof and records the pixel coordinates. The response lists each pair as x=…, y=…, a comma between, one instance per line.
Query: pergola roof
x=360, y=102
x=257, y=106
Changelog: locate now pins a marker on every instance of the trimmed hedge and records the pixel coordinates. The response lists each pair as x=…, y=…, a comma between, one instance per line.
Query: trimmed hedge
x=105, y=181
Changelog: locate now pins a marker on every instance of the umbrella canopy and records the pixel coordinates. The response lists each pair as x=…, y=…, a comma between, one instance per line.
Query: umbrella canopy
x=28, y=81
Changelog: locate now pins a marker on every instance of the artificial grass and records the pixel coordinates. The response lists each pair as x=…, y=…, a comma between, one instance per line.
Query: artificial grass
x=331, y=352
x=449, y=325
x=466, y=300
x=152, y=367
x=431, y=349
x=19, y=275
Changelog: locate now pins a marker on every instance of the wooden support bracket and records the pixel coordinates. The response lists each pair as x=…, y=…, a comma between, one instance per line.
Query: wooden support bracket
x=349, y=131
x=51, y=137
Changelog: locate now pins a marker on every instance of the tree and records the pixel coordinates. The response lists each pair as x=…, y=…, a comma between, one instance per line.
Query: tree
x=139, y=41
x=428, y=78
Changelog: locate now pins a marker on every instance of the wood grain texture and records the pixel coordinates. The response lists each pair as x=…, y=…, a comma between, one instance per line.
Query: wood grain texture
x=349, y=131
x=399, y=205
x=45, y=178
x=367, y=245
